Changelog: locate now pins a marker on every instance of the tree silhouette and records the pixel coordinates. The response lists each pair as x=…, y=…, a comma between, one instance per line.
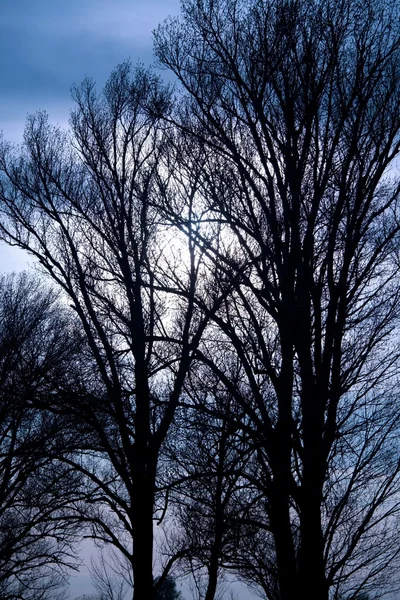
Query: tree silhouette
x=167, y=589
x=84, y=207
x=237, y=240
x=292, y=109
x=38, y=350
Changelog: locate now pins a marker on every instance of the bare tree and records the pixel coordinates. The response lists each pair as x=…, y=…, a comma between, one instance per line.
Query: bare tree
x=207, y=455
x=38, y=534
x=294, y=108
x=82, y=204
x=108, y=578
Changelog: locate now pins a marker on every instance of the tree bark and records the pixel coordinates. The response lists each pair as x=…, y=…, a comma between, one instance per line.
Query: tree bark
x=311, y=564
x=311, y=570
x=142, y=520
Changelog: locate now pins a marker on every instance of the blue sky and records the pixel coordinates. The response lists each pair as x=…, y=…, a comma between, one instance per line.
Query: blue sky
x=47, y=45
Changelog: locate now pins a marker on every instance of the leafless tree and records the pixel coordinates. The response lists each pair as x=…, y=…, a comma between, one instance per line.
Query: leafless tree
x=82, y=204
x=107, y=578
x=37, y=530
x=207, y=455
x=294, y=108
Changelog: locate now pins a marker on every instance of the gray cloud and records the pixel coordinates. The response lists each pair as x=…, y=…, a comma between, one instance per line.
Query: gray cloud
x=47, y=45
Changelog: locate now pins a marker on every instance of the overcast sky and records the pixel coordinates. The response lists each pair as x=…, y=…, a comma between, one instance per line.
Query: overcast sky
x=47, y=45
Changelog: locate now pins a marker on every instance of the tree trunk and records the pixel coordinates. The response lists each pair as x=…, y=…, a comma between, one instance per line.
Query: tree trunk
x=143, y=469
x=142, y=555
x=280, y=460
x=213, y=567
x=311, y=566
x=285, y=556
x=212, y=581
x=311, y=570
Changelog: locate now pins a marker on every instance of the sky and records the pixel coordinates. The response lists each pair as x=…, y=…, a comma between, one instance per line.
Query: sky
x=48, y=45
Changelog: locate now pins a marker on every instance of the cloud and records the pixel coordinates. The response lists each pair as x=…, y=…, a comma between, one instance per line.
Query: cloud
x=46, y=46
x=126, y=22
x=122, y=21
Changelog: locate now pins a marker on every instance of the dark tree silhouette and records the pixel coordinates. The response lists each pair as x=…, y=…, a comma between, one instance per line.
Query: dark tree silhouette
x=167, y=590
x=294, y=110
x=37, y=533
x=84, y=207
x=247, y=234
x=208, y=455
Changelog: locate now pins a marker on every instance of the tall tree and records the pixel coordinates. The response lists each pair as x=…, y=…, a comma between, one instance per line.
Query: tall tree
x=38, y=351
x=295, y=108
x=82, y=204
x=207, y=457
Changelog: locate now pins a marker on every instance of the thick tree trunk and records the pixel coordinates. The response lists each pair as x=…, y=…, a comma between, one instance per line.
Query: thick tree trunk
x=143, y=560
x=212, y=581
x=280, y=518
x=216, y=548
x=281, y=464
x=285, y=555
x=213, y=567
x=143, y=467
x=142, y=555
x=311, y=565
x=311, y=573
